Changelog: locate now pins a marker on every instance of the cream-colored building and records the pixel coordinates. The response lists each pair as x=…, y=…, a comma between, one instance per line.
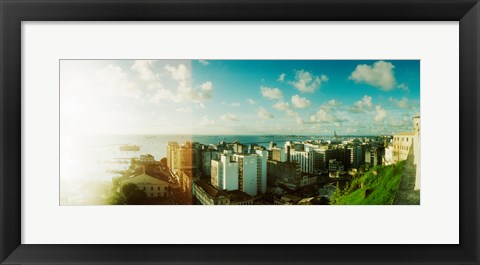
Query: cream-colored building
x=224, y=172
x=409, y=143
x=206, y=194
x=402, y=143
x=416, y=148
x=153, y=187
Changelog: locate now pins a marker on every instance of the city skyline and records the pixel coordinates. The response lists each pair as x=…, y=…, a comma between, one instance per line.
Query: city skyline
x=225, y=97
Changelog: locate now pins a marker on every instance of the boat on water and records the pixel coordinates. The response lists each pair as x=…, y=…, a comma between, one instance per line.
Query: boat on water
x=128, y=147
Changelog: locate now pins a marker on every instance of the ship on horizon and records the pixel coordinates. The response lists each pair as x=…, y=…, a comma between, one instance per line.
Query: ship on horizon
x=127, y=147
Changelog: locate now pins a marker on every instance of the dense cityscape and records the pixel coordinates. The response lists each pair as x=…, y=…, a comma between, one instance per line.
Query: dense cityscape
x=310, y=172
x=239, y=132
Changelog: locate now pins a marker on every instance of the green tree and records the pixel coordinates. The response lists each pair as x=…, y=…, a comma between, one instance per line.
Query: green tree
x=133, y=194
x=114, y=196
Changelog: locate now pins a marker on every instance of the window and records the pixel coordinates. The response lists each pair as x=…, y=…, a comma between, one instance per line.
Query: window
x=158, y=188
x=151, y=188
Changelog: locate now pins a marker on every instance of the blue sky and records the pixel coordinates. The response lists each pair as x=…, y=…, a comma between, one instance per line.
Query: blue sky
x=352, y=97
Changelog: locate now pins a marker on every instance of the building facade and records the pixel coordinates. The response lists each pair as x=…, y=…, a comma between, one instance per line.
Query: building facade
x=153, y=187
x=288, y=173
x=206, y=194
x=279, y=154
x=305, y=159
x=402, y=143
x=416, y=150
x=172, y=148
x=224, y=172
x=206, y=161
x=262, y=157
x=247, y=173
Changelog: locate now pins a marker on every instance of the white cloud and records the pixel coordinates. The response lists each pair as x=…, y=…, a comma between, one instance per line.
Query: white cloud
x=186, y=93
x=207, y=86
x=403, y=103
x=143, y=68
x=161, y=95
x=323, y=116
x=307, y=82
x=331, y=105
x=380, y=114
x=379, y=75
x=115, y=81
x=281, y=78
x=403, y=87
x=205, y=121
x=250, y=101
x=284, y=106
x=229, y=117
x=299, y=120
x=264, y=114
x=281, y=106
x=327, y=113
x=204, y=62
x=180, y=73
x=299, y=102
x=184, y=109
x=363, y=105
x=235, y=104
x=399, y=123
x=271, y=93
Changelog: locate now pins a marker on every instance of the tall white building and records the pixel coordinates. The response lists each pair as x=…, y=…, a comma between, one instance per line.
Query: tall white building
x=244, y=172
x=172, y=160
x=279, y=154
x=262, y=156
x=247, y=173
x=306, y=160
x=207, y=156
x=224, y=172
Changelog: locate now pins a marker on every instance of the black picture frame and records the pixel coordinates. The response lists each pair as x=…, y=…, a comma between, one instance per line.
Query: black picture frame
x=13, y=12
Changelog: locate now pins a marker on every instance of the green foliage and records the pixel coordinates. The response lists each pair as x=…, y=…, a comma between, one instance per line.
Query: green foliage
x=114, y=196
x=377, y=186
x=133, y=194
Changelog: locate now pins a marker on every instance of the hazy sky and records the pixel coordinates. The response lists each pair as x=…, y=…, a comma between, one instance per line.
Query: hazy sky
x=238, y=97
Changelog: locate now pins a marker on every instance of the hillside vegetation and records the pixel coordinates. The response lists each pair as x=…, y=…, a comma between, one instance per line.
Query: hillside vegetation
x=377, y=186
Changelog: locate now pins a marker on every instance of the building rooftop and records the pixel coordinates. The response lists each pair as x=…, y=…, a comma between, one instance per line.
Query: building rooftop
x=210, y=189
x=238, y=196
x=405, y=133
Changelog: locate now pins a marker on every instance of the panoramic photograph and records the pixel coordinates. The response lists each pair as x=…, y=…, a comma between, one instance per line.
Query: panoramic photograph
x=239, y=132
